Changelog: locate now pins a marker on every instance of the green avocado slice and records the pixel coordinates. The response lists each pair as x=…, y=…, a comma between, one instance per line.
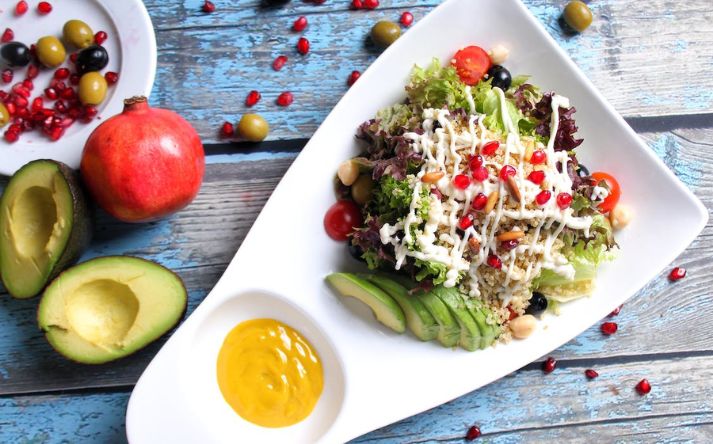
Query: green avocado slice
x=470, y=336
x=385, y=308
x=44, y=226
x=488, y=332
x=110, y=307
x=418, y=319
x=448, y=327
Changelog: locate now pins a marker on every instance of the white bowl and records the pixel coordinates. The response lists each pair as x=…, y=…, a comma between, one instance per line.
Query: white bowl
x=375, y=377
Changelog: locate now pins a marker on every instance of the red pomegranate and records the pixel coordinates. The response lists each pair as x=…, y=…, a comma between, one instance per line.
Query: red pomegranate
x=144, y=163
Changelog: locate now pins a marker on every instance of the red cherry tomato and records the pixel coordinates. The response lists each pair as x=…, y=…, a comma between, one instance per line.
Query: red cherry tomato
x=341, y=218
x=612, y=199
x=471, y=63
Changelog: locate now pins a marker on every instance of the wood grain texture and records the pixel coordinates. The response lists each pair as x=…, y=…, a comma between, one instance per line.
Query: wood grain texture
x=218, y=58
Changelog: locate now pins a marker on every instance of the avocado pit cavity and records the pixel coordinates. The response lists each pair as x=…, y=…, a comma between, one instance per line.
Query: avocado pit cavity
x=34, y=215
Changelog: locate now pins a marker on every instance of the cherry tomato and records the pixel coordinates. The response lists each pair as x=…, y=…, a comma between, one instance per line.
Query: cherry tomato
x=612, y=199
x=341, y=218
x=471, y=63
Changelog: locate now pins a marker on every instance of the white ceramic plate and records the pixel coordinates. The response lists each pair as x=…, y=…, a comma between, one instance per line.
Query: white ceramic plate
x=374, y=377
x=132, y=54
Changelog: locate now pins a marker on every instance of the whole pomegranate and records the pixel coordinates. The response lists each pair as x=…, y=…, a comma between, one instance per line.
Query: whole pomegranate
x=144, y=163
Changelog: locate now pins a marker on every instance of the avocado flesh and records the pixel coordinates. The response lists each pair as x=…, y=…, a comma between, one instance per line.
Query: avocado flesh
x=384, y=307
x=470, y=336
x=448, y=328
x=44, y=226
x=110, y=307
x=488, y=332
x=418, y=319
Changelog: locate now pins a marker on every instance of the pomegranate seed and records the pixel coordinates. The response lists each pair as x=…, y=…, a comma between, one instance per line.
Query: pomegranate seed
x=461, y=181
x=507, y=171
x=590, y=374
x=90, y=111
x=252, y=98
x=303, y=45
x=479, y=201
x=21, y=7
x=20, y=90
x=27, y=83
x=609, y=328
x=67, y=93
x=11, y=108
x=564, y=200
x=7, y=75
x=7, y=36
x=56, y=133
x=353, y=77
x=73, y=57
x=44, y=8
x=480, y=174
x=11, y=136
x=542, y=197
x=513, y=314
x=677, y=274
x=279, y=62
x=494, y=262
x=466, y=222
x=37, y=104
x=357, y=4
x=227, y=130
x=58, y=85
x=111, y=77
x=3, y=95
x=285, y=99
x=536, y=177
x=643, y=387
x=74, y=79
x=208, y=7
x=60, y=107
x=406, y=19
x=66, y=122
x=61, y=73
x=74, y=113
x=473, y=432
x=509, y=244
x=100, y=37
x=615, y=311
x=475, y=162
x=490, y=148
x=21, y=102
x=300, y=24
x=549, y=365
x=371, y=4
x=538, y=157
x=32, y=71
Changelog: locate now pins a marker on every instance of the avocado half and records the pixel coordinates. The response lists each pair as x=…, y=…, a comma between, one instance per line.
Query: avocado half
x=44, y=226
x=110, y=307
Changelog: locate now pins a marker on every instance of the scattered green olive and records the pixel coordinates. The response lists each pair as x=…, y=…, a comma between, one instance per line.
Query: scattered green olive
x=361, y=189
x=385, y=33
x=92, y=88
x=577, y=15
x=78, y=33
x=50, y=51
x=4, y=115
x=253, y=128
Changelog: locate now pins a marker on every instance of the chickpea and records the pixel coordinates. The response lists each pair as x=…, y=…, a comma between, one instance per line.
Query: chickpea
x=620, y=216
x=523, y=326
x=348, y=172
x=499, y=54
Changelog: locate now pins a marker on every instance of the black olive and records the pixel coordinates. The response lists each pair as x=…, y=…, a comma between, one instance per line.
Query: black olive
x=582, y=170
x=93, y=58
x=356, y=251
x=538, y=304
x=501, y=77
x=16, y=54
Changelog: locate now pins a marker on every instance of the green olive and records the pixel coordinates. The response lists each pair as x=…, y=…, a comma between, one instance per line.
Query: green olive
x=577, y=15
x=385, y=33
x=92, y=88
x=253, y=128
x=50, y=51
x=78, y=33
x=4, y=115
x=361, y=189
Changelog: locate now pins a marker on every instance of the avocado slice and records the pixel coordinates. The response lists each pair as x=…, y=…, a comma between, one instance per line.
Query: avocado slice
x=480, y=313
x=418, y=319
x=385, y=308
x=470, y=338
x=110, y=307
x=448, y=327
x=44, y=226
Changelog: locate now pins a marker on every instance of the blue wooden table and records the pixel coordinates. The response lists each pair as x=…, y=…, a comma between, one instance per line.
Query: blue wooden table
x=651, y=59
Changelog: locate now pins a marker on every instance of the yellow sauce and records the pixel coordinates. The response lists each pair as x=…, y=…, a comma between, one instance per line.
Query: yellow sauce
x=268, y=373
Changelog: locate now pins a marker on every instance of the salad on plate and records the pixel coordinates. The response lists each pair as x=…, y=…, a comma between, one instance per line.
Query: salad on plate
x=470, y=207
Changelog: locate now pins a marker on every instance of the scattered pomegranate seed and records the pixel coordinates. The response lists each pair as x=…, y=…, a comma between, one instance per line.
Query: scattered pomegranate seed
x=7, y=75
x=73, y=57
x=208, y=7
x=507, y=171
x=461, y=181
x=303, y=45
x=509, y=244
x=564, y=200
x=252, y=98
x=480, y=174
x=406, y=19
x=609, y=328
x=11, y=109
x=549, y=365
x=513, y=314
x=60, y=107
x=32, y=71
x=538, y=157
x=465, y=222
x=67, y=93
x=590, y=374
x=44, y=8
x=542, y=197
x=357, y=4
x=285, y=99
x=59, y=85
x=475, y=162
x=473, y=433
x=353, y=77
x=536, y=177
x=74, y=79
x=100, y=37
x=21, y=7
x=227, y=130
x=56, y=133
x=27, y=83
x=279, y=62
x=7, y=36
x=643, y=387
x=37, y=104
x=111, y=77
x=371, y=4
x=20, y=90
x=479, y=201
x=300, y=24
x=61, y=73
x=615, y=311
x=677, y=274
x=11, y=136
x=490, y=148
x=494, y=262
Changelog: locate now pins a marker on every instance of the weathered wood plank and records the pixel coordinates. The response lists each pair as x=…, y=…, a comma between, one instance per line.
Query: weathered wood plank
x=208, y=63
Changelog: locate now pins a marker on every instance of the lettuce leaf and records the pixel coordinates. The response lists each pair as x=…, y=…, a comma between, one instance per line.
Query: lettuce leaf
x=435, y=271
x=391, y=200
x=436, y=86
